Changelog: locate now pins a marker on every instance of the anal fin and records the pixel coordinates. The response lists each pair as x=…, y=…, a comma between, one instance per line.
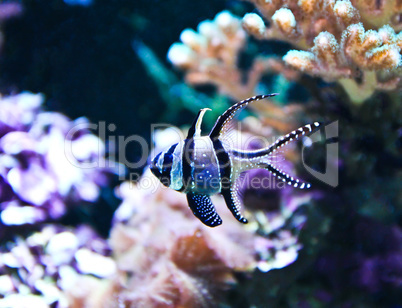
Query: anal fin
x=203, y=209
x=233, y=202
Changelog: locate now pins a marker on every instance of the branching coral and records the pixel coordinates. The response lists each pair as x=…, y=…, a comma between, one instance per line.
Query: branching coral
x=377, y=13
x=46, y=161
x=362, y=61
x=355, y=62
x=299, y=22
x=210, y=56
x=336, y=41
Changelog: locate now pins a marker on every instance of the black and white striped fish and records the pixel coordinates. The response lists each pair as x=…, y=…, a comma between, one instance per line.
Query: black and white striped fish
x=203, y=166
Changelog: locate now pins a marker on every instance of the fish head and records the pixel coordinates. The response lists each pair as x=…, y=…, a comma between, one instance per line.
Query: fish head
x=161, y=165
x=156, y=167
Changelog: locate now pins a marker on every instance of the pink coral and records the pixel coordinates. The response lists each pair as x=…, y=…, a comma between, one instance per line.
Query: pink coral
x=338, y=40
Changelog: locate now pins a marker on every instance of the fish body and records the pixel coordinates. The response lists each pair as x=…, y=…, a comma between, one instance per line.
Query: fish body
x=201, y=166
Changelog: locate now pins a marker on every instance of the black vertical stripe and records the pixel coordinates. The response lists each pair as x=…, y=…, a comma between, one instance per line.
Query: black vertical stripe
x=224, y=164
x=168, y=164
x=187, y=158
x=155, y=170
x=225, y=170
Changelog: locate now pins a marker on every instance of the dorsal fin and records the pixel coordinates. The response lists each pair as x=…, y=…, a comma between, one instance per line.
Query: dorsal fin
x=223, y=122
x=195, y=129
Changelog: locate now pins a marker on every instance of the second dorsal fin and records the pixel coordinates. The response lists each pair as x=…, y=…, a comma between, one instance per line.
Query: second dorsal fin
x=195, y=129
x=223, y=122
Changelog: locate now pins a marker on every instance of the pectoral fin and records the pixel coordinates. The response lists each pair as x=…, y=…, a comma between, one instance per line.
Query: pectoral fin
x=203, y=209
x=233, y=202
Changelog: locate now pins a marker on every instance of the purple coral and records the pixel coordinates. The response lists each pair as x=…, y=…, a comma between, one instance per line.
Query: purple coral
x=46, y=161
x=55, y=266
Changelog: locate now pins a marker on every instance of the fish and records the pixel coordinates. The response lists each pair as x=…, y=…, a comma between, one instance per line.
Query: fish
x=201, y=166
